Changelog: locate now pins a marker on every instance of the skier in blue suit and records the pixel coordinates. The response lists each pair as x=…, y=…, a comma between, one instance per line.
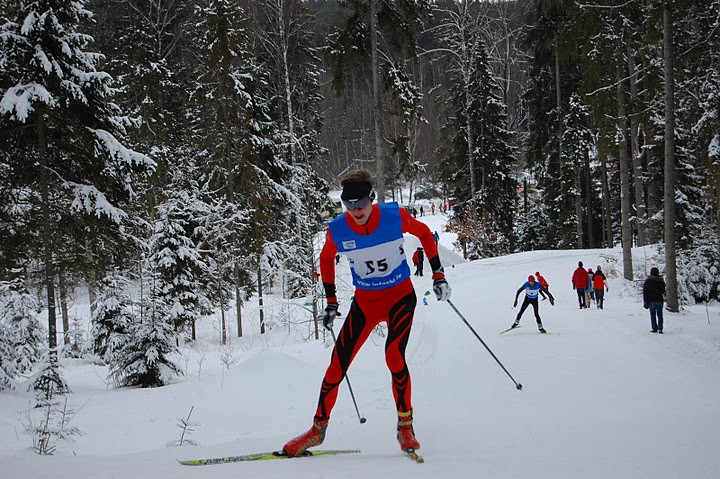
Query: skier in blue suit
x=532, y=288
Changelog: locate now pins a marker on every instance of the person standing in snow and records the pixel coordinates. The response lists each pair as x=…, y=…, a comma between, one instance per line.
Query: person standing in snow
x=545, y=287
x=532, y=288
x=436, y=237
x=580, y=281
x=418, y=259
x=589, y=293
x=599, y=285
x=371, y=236
x=653, y=299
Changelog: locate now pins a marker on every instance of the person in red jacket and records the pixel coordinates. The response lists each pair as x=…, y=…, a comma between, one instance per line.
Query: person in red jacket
x=418, y=260
x=599, y=285
x=580, y=282
x=545, y=286
x=371, y=236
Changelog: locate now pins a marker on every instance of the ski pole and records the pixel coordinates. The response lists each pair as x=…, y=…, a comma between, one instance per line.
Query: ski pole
x=517, y=384
x=362, y=419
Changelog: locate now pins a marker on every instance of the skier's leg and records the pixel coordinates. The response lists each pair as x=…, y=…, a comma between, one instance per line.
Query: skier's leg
x=354, y=332
x=524, y=306
x=400, y=318
x=534, y=303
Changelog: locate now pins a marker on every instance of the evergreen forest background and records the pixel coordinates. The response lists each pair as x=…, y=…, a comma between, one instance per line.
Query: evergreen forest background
x=187, y=147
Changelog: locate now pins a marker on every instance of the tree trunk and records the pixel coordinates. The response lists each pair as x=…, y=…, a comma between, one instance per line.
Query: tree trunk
x=90, y=278
x=284, y=46
x=578, y=204
x=238, y=300
x=377, y=106
x=260, y=297
x=670, y=267
x=636, y=154
x=558, y=99
x=47, y=236
x=63, y=306
x=625, y=228
x=588, y=202
x=607, y=220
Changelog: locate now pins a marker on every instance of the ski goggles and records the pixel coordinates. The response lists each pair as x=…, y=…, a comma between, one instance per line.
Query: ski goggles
x=357, y=204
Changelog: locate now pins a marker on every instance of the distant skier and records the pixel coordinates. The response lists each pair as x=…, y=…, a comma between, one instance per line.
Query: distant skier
x=580, y=281
x=371, y=236
x=436, y=237
x=599, y=285
x=546, y=288
x=432, y=207
x=653, y=299
x=532, y=288
x=418, y=259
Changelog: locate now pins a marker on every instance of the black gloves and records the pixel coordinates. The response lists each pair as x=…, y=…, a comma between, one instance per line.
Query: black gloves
x=328, y=316
x=441, y=289
x=515, y=303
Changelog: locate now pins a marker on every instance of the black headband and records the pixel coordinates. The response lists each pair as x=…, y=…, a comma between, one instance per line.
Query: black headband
x=355, y=191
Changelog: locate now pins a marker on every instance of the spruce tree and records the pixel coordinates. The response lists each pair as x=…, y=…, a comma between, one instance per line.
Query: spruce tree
x=56, y=104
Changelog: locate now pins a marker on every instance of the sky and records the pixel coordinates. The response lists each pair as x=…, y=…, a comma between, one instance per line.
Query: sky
x=602, y=396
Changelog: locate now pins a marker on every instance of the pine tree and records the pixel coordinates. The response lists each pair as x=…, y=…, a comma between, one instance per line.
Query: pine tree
x=475, y=145
x=57, y=107
x=22, y=330
x=176, y=259
x=112, y=316
x=144, y=359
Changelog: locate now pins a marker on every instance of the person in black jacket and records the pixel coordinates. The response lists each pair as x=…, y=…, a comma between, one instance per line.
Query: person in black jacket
x=653, y=298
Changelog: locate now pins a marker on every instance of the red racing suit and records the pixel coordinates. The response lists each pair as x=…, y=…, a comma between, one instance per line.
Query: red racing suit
x=390, y=298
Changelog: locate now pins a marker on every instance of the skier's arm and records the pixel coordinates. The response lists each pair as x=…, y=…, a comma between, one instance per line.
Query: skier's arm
x=327, y=267
x=522, y=288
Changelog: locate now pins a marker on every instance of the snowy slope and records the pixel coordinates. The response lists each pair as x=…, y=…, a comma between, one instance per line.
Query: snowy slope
x=602, y=396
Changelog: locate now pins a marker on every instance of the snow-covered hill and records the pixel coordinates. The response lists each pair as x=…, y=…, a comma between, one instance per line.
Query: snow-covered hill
x=602, y=396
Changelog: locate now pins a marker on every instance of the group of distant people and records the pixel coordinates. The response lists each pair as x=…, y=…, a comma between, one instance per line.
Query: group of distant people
x=443, y=209
x=590, y=286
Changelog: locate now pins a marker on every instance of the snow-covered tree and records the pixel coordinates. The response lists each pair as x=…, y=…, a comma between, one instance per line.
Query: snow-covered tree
x=18, y=315
x=475, y=147
x=144, y=358
x=112, y=316
x=56, y=112
x=177, y=261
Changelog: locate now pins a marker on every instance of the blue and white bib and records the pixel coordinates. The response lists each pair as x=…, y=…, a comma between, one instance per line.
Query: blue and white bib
x=377, y=261
x=532, y=291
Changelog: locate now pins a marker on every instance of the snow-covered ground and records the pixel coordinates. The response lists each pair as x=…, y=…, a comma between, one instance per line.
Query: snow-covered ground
x=602, y=397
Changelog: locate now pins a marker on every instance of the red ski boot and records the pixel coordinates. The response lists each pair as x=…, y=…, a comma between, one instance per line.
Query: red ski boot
x=405, y=433
x=313, y=437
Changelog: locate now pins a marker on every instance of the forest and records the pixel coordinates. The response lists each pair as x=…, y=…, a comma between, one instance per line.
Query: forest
x=188, y=148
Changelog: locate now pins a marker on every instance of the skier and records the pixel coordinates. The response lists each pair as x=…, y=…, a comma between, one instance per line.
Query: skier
x=418, y=259
x=580, y=281
x=371, y=236
x=545, y=288
x=653, y=298
x=532, y=288
x=599, y=285
x=436, y=237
